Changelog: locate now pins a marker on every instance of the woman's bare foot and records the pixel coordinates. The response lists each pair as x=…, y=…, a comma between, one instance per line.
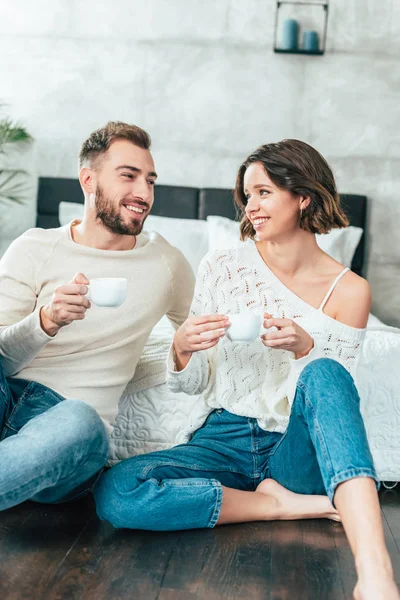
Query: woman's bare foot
x=291, y=506
x=376, y=583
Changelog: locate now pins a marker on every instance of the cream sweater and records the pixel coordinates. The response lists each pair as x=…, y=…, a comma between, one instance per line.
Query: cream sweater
x=250, y=379
x=91, y=360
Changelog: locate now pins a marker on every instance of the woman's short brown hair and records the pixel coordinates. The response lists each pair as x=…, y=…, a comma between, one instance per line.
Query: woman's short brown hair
x=100, y=140
x=298, y=168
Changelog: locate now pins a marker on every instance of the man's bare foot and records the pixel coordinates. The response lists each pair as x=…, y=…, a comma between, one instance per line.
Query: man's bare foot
x=292, y=506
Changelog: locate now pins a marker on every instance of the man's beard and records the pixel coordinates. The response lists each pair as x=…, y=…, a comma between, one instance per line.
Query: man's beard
x=110, y=216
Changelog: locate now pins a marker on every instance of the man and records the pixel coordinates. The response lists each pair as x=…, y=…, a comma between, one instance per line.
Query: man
x=63, y=363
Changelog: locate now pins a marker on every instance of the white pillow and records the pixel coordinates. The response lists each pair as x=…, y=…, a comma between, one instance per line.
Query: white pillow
x=341, y=244
x=69, y=211
x=195, y=237
x=223, y=233
x=338, y=243
x=190, y=236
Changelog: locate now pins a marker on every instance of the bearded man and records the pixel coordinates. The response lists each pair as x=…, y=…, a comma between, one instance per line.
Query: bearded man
x=63, y=362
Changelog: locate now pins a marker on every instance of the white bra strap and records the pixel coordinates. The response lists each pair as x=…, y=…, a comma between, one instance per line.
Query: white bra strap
x=325, y=300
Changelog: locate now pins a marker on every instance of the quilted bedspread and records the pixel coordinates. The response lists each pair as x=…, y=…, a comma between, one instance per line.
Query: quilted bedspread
x=150, y=416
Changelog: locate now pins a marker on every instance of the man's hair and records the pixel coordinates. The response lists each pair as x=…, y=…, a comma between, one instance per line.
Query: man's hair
x=298, y=168
x=100, y=140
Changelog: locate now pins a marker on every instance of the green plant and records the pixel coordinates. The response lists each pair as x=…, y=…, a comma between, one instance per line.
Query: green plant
x=12, y=181
x=12, y=133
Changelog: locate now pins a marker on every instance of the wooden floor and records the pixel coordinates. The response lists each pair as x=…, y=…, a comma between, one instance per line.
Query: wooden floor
x=66, y=553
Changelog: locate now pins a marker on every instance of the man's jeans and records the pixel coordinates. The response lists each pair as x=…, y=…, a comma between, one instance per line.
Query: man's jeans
x=324, y=445
x=51, y=449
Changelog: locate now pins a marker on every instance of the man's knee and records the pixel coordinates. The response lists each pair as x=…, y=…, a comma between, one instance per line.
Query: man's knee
x=80, y=425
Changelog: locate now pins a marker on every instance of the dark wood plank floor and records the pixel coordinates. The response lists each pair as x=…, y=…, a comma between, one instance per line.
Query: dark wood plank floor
x=65, y=553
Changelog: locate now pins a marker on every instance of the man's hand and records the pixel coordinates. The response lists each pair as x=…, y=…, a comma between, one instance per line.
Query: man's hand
x=68, y=303
x=198, y=333
x=289, y=336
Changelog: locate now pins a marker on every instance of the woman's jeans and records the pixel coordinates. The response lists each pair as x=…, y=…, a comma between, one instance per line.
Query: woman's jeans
x=324, y=445
x=51, y=449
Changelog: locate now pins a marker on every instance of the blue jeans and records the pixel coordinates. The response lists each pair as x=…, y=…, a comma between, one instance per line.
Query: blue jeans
x=51, y=449
x=325, y=444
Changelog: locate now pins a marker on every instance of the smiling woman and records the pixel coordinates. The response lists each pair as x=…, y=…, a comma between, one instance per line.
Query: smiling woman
x=280, y=172
x=276, y=432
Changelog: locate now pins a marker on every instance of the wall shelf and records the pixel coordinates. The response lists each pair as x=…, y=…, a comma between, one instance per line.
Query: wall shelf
x=299, y=3
x=299, y=51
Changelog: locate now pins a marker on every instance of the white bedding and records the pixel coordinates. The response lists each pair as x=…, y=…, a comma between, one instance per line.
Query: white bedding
x=150, y=416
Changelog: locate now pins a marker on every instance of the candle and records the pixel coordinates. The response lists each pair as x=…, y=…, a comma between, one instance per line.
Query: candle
x=290, y=34
x=310, y=41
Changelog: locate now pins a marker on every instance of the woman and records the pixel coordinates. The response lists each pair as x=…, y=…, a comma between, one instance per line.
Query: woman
x=277, y=433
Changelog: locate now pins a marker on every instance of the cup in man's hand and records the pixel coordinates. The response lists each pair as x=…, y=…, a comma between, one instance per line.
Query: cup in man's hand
x=108, y=292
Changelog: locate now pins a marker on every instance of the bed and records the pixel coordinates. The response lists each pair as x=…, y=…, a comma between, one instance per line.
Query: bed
x=150, y=416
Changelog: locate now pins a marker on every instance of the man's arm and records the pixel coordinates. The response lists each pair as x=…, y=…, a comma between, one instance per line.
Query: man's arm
x=21, y=334
x=182, y=290
x=21, y=342
x=26, y=328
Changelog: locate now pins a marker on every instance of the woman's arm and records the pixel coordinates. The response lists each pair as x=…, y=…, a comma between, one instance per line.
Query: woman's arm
x=349, y=313
x=197, y=333
x=341, y=340
x=190, y=356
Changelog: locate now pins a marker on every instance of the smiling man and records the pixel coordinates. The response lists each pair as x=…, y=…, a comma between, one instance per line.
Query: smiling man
x=62, y=360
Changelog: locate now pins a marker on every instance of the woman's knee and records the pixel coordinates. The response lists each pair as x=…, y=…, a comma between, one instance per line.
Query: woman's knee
x=128, y=495
x=106, y=497
x=115, y=493
x=325, y=371
x=326, y=382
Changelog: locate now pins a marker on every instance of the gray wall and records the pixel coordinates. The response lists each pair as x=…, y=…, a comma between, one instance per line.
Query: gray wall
x=200, y=75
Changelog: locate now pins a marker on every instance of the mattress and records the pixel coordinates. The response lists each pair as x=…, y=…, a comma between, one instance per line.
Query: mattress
x=150, y=416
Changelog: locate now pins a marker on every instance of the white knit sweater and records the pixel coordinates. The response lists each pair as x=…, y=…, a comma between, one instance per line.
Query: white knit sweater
x=250, y=379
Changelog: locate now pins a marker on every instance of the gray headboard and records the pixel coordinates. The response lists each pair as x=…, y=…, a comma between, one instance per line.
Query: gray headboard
x=185, y=203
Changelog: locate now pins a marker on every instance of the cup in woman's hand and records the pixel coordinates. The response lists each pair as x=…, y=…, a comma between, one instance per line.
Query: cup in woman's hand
x=108, y=291
x=244, y=328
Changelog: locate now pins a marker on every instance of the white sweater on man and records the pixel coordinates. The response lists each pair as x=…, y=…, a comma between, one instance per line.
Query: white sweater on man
x=253, y=380
x=93, y=359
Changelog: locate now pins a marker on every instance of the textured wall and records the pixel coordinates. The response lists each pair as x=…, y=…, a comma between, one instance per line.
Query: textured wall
x=200, y=75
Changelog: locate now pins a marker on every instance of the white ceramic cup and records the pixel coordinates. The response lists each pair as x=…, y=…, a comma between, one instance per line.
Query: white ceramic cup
x=108, y=291
x=245, y=327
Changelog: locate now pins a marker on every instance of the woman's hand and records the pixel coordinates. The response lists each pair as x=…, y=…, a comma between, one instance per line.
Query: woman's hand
x=198, y=333
x=289, y=336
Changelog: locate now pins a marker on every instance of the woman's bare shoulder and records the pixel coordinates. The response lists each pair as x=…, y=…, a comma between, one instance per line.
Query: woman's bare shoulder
x=353, y=300
x=352, y=285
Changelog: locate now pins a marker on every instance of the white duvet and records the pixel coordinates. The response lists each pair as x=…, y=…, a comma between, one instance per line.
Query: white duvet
x=150, y=415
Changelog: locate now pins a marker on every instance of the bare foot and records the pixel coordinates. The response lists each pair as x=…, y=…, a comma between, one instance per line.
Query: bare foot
x=376, y=587
x=375, y=579
x=292, y=506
